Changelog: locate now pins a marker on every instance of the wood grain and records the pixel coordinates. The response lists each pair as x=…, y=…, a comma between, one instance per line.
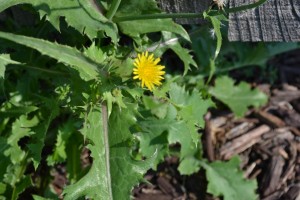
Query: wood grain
x=275, y=20
x=185, y=6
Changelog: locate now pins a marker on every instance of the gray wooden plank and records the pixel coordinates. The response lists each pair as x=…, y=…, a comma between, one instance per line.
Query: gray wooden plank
x=275, y=20
x=185, y=6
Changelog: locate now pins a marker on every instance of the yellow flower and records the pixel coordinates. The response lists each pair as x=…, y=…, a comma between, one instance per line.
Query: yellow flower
x=148, y=71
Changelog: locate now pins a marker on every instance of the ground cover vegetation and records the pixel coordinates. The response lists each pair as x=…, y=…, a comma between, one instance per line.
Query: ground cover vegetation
x=125, y=82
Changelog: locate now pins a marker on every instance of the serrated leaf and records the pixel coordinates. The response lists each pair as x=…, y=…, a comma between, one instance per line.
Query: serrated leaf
x=178, y=95
x=238, y=98
x=154, y=138
x=195, y=109
x=5, y=60
x=87, y=68
x=85, y=16
x=177, y=125
x=181, y=133
x=158, y=108
x=21, y=127
x=115, y=96
x=10, y=110
x=102, y=173
x=95, y=53
x=48, y=113
x=216, y=22
x=183, y=53
x=225, y=179
x=192, y=106
x=99, y=187
x=64, y=133
x=135, y=28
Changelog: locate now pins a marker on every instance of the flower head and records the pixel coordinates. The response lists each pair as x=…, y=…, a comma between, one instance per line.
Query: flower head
x=220, y=3
x=148, y=71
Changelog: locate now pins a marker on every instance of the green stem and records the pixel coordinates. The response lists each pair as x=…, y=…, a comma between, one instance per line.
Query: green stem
x=158, y=16
x=245, y=7
x=104, y=113
x=187, y=15
x=113, y=9
x=237, y=9
x=19, y=176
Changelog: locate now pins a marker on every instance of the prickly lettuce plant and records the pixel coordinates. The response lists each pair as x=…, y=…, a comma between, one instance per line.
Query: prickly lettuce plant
x=91, y=73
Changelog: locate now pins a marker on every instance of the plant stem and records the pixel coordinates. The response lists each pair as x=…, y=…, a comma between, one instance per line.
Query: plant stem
x=104, y=114
x=237, y=9
x=113, y=9
x=245, y=7
x=187, y=15
x=158, y=16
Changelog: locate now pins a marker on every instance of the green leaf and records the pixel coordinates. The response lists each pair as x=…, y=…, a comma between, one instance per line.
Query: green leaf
x=4, y=160
x=87, y=68
x=74, y=148
x=178, y=124
x=21, y=186
x=157, y=107
x=2, y=188
x=189, y=165
x=21, y=127
x=132, y=171
x=95, y=53
x=154, y=138
x=172, y=42
x=192, y=106
x=36, y=197
x=5, y=60
x=216, y=22
x=238, y=97
x=64, y=133
x=180, y=132
x=48, y=113
x=178, y=95
x=99, y=187
x=115, y=96
x=117, y=177
x=225, y=179
x=135, y=28
x=10, y=110
x=85, y=16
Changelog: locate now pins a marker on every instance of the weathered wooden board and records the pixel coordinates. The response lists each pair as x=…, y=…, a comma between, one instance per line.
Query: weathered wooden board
x=185, y=6
x=275, y=20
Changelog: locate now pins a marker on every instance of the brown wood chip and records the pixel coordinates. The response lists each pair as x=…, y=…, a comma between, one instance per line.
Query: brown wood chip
x=270, y=119
x=243, y=142
x=271, y=179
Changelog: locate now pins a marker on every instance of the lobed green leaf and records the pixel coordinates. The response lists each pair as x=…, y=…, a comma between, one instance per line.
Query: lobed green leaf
x=225, y=179
x=238, y=97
